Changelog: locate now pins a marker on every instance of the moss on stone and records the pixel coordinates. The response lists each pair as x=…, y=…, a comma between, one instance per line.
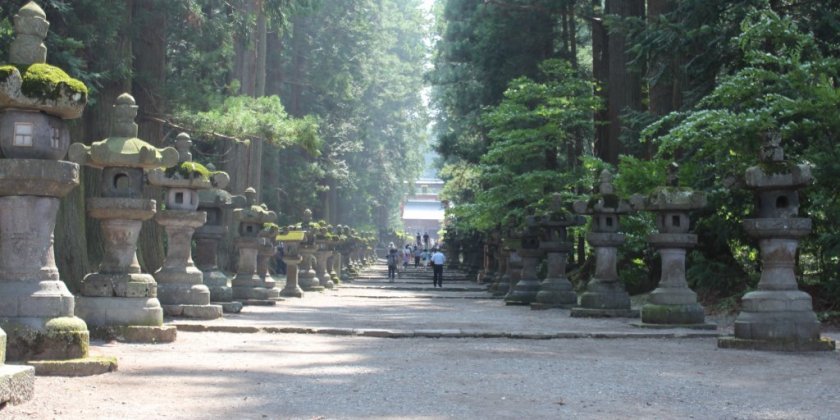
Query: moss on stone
x=777, y=168
x=46, y=82
x=782, y=344
x=7, y=71
x=190, y=170
x=271, y=226
x=64, y=324
x=673, y=314
x=86, y=366
x=58, y=342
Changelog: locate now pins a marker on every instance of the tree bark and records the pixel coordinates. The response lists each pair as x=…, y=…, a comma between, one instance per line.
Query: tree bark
x=148, y=82
x=600, y=71
x=624, y=83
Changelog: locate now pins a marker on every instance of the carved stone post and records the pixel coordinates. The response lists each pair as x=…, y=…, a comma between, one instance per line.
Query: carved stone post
x=605, y=294
x=777, y=316
x=556, y=290
x=673, y=303
x=248, y=287
x=526, y=289
x=119, y=300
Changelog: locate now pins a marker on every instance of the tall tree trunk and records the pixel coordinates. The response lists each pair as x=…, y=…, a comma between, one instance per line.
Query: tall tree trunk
x=600, y=71
x=78, y=238
x=297, y=77
x=664, y=95
x=573, y=38
x=250, y=68
x=262, y=51
x=624, y=83
x=148, y=83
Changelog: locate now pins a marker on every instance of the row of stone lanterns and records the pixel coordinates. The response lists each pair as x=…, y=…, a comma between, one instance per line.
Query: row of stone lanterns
x=40, y=319
x=777, y=316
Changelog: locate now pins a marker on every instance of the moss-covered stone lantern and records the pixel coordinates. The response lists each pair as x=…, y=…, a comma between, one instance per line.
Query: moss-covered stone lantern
x=37, y=311
x=323, y=252
x=605, y=294
x=556, y=290
x=524, y=292
x=307, y=279
x=119, y=300
x=248, y=287
x=672, y=303
x=266, y=252
x=213, y=201
x=181, y=289
x=292, y=237
x=334, y=264
x=777, y=315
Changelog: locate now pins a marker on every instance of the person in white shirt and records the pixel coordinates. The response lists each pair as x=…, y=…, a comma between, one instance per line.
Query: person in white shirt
x=437, y=267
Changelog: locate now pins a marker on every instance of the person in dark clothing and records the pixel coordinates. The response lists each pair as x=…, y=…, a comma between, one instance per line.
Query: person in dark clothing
x=392, y=258
x=279, y=264
x=418, y=239
x=418, y=253
x=426, y=240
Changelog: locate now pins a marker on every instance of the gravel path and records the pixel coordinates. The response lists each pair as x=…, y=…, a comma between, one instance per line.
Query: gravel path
x=306, y=376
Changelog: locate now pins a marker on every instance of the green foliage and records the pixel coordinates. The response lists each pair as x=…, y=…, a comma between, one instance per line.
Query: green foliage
x=265, y=117
x=532, y=131
x=81, y=40
x=483, y=47
x=784, y=85
x=638, y=176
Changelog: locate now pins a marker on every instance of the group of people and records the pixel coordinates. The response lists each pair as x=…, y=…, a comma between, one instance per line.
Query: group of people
x=422, y=258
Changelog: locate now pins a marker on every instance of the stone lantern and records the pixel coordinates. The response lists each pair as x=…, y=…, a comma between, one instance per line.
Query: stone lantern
x=36, y=308
x=266, y=252
x=526, y=289
x=673, y=303
x=556, y=290
x=214, y=201
x=120, y=300
x=345, y=247
x=181, y=288
x=513, y=243
x=605, y=295
x=501, y=286
x=333, y=264
x=323, y=252
x=307, y=279
x=509, y=241
x=353, y=254
x=491, y=244
x=777, y=315
x=248, y=287
x=292, y=237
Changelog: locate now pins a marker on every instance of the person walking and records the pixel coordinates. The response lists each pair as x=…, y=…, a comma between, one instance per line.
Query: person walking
x=406, y=256
x=418, y=253
x=392, y=259
x=437, y=267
